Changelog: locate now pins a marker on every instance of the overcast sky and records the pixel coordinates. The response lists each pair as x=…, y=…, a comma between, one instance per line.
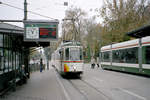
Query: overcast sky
x=51, y=8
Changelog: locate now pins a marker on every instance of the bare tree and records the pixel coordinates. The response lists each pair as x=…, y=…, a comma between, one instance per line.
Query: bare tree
x=92, y=37
x=72, y=28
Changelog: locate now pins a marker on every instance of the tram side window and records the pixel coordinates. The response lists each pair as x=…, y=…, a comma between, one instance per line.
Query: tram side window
x=106, y=56
x=67, y=53
x=61, y=54
x=126, y=55
x=116, y=56
x=147, y=55
x=81, y=54
x=131, y=55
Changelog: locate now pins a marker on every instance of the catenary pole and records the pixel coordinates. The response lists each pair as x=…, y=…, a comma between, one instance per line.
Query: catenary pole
x=25, y=9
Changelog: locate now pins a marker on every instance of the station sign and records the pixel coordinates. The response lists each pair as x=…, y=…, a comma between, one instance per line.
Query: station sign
x=40, y=30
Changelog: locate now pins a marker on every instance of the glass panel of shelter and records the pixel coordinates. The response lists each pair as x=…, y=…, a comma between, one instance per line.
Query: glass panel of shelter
x=1, y=54
x=11, y=57
x=1, y=61
x=6, y=52
x=1, y=40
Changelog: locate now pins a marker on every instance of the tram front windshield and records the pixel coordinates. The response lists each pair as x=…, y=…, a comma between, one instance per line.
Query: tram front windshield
x=75, y=54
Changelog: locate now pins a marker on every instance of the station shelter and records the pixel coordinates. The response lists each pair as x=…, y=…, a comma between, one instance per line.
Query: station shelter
x=14, y=53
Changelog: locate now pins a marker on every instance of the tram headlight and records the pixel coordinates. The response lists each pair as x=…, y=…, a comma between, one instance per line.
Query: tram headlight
x=74, y=67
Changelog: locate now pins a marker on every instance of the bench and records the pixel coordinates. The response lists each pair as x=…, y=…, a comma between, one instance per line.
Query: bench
x=2, y=93
x=11, y=85
x=14, y=82
x=17, y=80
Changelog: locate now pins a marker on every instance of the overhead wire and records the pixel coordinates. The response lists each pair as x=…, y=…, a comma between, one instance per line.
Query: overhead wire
x=12, y=6
x=27, y=11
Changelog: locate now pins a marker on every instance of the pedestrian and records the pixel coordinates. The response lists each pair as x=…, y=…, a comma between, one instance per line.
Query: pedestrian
x=41, y=65
x=92, y=62
x=23, y=75
x=97, y=62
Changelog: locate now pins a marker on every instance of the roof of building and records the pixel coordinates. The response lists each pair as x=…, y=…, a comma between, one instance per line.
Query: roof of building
x=141, y=32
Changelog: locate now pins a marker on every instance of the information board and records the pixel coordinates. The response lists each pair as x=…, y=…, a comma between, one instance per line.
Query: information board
x=40, y=30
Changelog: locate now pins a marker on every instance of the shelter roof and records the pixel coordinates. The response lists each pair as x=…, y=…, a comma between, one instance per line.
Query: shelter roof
x=9, y=28
x=141, y=32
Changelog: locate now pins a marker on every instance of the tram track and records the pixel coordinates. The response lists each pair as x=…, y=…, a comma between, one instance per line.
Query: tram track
x=108, y=98
x=88, y=90
x=80, y=91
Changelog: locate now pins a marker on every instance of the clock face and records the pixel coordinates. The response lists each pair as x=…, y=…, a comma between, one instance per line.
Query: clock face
x=32, y=32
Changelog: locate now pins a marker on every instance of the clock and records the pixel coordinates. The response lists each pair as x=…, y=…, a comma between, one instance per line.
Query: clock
x=32, y=32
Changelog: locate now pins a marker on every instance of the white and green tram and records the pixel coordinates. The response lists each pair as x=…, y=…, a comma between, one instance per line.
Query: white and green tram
x=68, y=58
x=131, y=56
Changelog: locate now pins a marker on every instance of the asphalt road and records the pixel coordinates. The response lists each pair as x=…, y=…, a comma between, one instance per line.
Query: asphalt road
x=95, y=84
x=118, y=86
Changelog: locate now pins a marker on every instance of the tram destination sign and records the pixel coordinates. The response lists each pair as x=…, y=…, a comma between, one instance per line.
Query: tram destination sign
x=40, y=30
